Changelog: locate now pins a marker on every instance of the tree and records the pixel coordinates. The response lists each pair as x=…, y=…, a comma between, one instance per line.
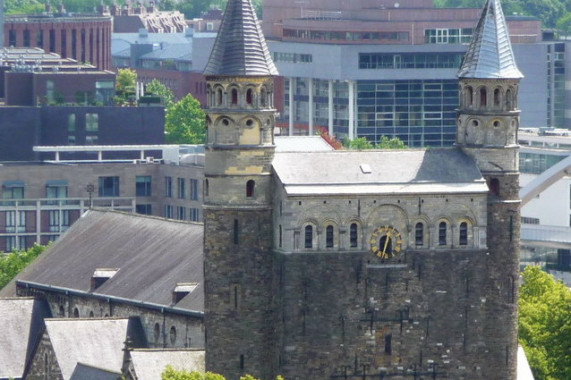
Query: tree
x=155, y=87
x=171, y=374
x=545, y=324
x=359, y=143
x=11, y=264
x=125, y=83
x=185, y=122
x=393, y=143
x=564, y=24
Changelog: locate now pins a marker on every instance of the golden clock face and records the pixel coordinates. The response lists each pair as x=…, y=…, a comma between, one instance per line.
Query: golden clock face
x=386, y=242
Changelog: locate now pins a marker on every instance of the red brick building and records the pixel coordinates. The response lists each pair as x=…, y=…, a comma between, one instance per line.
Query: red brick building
x=84, y=38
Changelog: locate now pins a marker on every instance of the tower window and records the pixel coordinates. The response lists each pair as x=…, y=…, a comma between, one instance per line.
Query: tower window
x=354, y=235
x=497, y=97
x=234, y=96
x=388, y=344
x=250, y=185
x=495, y=186
x=329, y=237
x=236, y=235
x=263, y=97
x=463, y=233
x=509, y=100
x=308, y=237
x=419, y=234
x=469, y=96
x=483, y=98
x=280, y=236
x=249, y=96
x=442, y=233
x=219, y=97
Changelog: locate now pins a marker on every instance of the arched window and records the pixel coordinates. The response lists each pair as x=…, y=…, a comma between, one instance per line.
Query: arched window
x=206, y=185
x=76, y=312
x=354, y=235
x=61, y=311
x=263, y=97
x=495, y=186
x=250, y=185
x=234, y=96
x=157, y=333
x=219, y=97
x=249, y=96
x=329, y=237
x=419, y=234
x=172, y=335
x=91, y=315
x=496, y=97
x=469, y=96
x=442, y=233
x=509, y=100
x=308, y=237
x=483, y=97
x=463, y=233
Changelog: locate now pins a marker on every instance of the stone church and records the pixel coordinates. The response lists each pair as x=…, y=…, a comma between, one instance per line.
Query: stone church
x=397, y=264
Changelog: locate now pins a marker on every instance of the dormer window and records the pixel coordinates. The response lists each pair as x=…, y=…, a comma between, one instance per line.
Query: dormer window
x=181, y=290
x=101, y=275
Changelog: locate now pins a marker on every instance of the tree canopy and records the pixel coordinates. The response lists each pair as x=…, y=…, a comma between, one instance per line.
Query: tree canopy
x=171, y=374
x=545, y=324
x=185, y=122
x=361, y=143
x=155, y=87
x=12, y=263
x=548, y=11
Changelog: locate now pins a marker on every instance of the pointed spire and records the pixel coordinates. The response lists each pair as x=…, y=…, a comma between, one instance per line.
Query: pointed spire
x=240, y=47
x=490, y=52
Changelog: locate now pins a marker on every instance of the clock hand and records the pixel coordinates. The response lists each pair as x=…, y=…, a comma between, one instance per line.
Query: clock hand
x=387, y=237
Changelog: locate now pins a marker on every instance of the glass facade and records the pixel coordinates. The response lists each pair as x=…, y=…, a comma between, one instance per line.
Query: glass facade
x=556, y=85
x=419, y=112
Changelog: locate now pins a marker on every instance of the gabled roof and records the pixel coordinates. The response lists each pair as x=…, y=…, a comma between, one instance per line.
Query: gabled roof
x=150, y=363
x=92, y=342
x=22, y=322
x=490, y=52
x=84, y=371
x=152, y=256
x=408, y=171
x=240, y=48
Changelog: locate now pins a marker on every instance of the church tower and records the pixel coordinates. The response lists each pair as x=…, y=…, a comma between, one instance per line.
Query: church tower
x=488, y=121
x=237, y=199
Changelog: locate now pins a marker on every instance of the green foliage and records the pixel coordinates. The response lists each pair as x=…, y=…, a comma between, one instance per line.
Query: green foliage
x=23, y=7
x=394, y=143
x=548, y=11
x=125, y=83
x=155, y=87
x=545, y=324
x=185, y=122
x=11, y=264
x=171, y=374
x=361, y=143
x=564, y=24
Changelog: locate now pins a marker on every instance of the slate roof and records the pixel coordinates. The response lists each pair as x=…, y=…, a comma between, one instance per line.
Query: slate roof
x=490, y=52
x=149, y=363
x=22, y=322
x=87, y=372
x=240, y=48
x=92, y=342
x=301, y=144
x=372, y=172
x=152, y=255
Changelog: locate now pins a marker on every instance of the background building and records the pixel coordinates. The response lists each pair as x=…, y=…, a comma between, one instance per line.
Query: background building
x=372, y=68
x=40, y=201
x=84, y=38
